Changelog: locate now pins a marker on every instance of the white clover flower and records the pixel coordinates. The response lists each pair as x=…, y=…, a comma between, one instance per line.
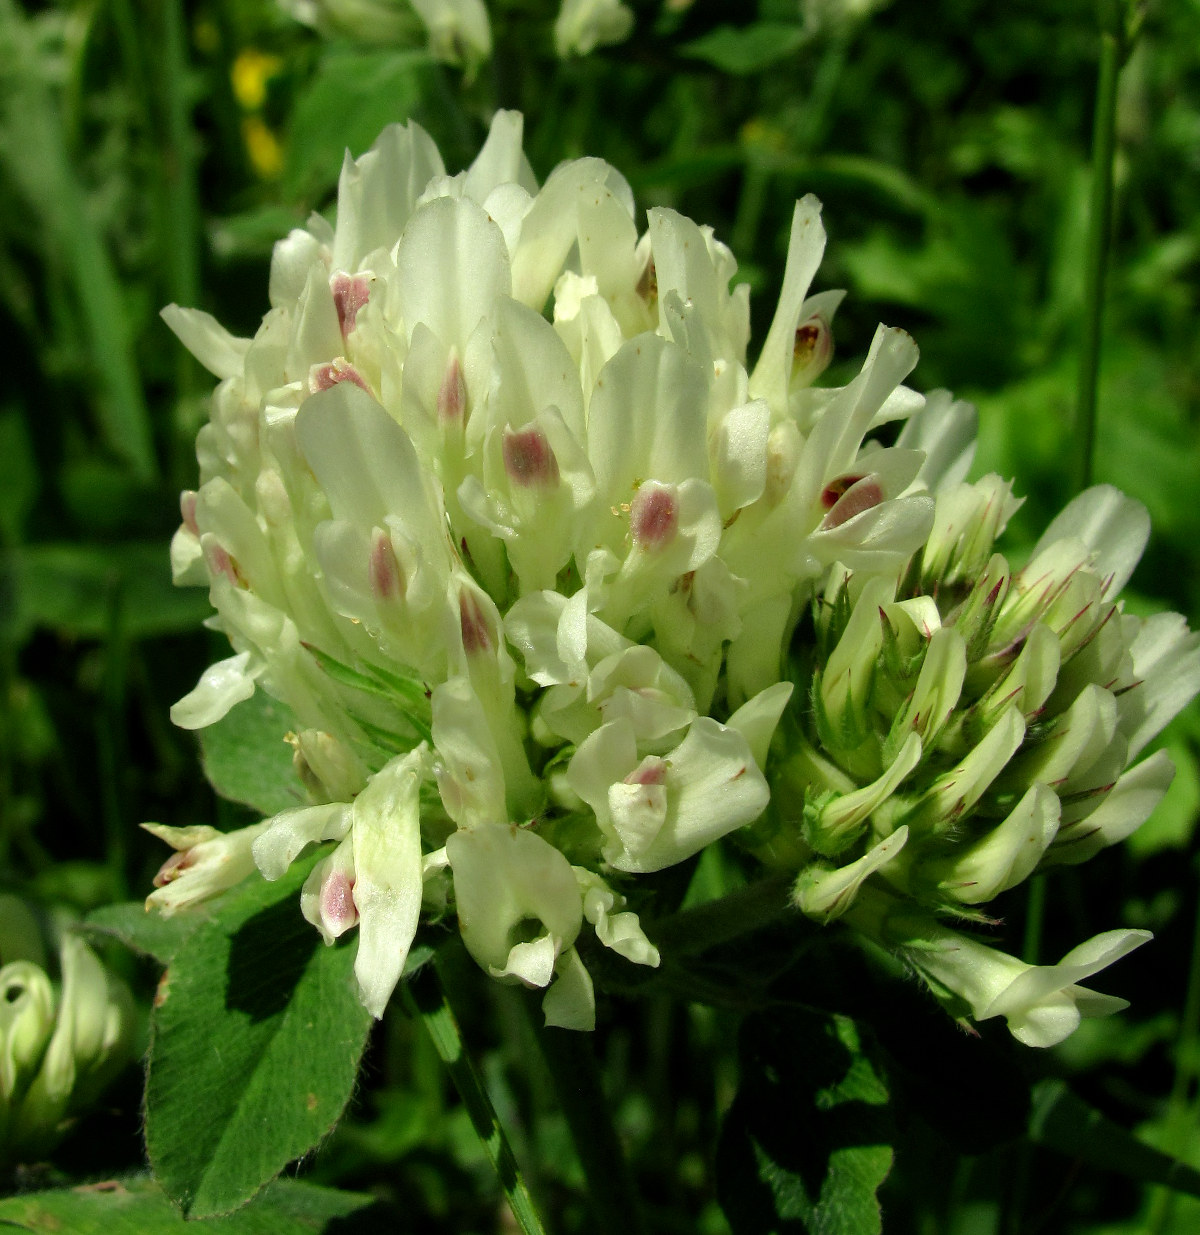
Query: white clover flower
x=372, y=21
x=584, y=25
x=493, y=502
x=459, y=30
x=1042, y=1004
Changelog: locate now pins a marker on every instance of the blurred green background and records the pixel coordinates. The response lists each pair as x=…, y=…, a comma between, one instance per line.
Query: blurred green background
x=154, y=152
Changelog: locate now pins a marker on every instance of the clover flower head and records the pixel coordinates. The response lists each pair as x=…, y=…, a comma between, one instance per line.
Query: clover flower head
x=496, y=503
x=61, y=1041
x=972, y=723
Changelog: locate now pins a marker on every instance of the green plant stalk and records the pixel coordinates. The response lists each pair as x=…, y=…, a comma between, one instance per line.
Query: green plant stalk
x=48, y=182
x=183, y=211
x=570, y=1056
x=1035, y=917
x=427, y=998
x=1112, y=52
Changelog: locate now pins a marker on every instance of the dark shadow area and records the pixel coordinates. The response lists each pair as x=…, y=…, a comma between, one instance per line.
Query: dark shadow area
x=268, y=955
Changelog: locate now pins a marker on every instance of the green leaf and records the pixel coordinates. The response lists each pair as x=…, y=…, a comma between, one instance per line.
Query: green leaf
x=256, y=1039
x=137, y=1206
x=352, y=97
x=79, y=590
x=807, y=1140
x=1063, y=1122
x=747, y=49
x=246, y=758
x=147, y=932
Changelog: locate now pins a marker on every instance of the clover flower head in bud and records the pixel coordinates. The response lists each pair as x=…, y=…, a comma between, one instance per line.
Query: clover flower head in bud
x=497, y=502
x=972, y=723
x=583, y=25
x=370, y=21
x=62, y=1038
x=459, y=31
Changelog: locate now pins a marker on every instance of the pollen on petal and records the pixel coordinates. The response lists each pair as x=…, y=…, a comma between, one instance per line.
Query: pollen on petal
x=654, y=516
x=529, y=460
x=350, y=293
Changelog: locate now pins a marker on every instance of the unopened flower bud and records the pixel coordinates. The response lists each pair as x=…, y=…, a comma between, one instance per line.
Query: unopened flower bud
x=848, y=675
x=967, y=520
x=978, y=613
x=1003, y=857
x=26, y=1022
x=826, y=894
x=205, y=863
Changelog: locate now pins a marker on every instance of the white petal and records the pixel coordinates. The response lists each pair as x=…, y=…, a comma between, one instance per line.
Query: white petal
x=1114, y=528
x=470, y=773
x=1006, y=856
x=646, y=419
x=757, y=718
x=388, y=883
x=571, y=1002
x=740, y=456
x=289, y=832
x=221, y=686
x=291, y=260
x=451, y=266
x=501, y=159
x=806, y=246
x=945, y=429
x=377, y=192
x=1124, y=809
x=366, y=463
x=552, y=225
x=713, y=787
x=212, y=345
x=1166, y=668
x=506, y=878
x=535, y=370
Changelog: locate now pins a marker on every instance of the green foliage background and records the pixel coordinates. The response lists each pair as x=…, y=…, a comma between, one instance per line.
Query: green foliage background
x=153, y=153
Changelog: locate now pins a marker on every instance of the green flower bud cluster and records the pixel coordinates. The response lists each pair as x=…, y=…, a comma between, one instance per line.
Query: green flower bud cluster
x=61, y=1042
x=969, y=723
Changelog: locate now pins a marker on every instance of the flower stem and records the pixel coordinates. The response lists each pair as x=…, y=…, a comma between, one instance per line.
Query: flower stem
x=427, y=998
x=1115, y=43
x=571, y=1059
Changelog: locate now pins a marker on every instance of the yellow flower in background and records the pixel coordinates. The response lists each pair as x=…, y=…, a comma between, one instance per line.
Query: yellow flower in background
x=250, y=75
